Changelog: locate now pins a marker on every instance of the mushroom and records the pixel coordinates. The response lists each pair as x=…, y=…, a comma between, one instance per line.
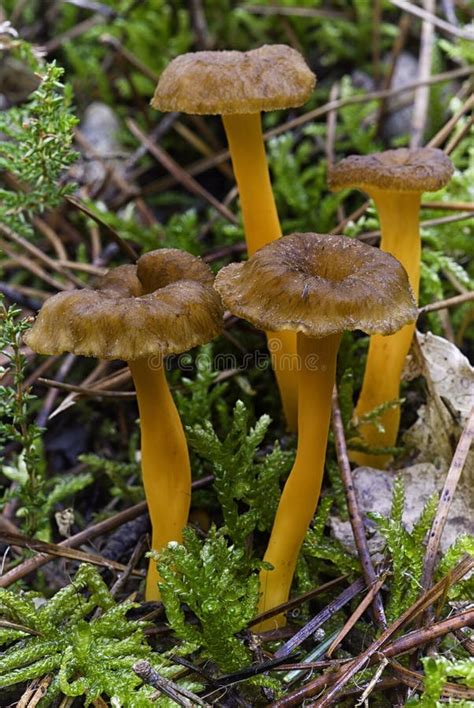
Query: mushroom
x=164, y=305
x=238, y=86
x=395, y=180
x=317, y=286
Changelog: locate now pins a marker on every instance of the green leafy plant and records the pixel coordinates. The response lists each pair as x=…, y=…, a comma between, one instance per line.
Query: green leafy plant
x=37, y=494
x=85, y=657
x=36, y=152
x=320, y=546
x=199, y=397
x=438, y=670
x=119, y=474
x=406, y=549
x=247, y=486
x=213, y=579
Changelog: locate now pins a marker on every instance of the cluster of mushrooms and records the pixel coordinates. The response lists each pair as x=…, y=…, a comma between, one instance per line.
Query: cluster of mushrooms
x=303, y=290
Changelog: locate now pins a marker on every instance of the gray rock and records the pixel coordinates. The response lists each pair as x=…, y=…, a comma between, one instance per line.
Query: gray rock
x=99, y=127
x=400, y=108
x=374, y=493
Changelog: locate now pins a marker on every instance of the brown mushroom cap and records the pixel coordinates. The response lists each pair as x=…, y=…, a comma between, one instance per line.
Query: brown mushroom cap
x=319, y=285
x=402, y=170
x=164, y=305
x=221, y=83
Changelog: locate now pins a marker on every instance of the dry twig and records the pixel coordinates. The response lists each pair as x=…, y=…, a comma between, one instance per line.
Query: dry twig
x=357, y=522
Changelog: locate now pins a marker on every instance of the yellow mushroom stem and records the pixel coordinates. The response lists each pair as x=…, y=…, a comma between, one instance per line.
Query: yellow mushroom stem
x=316, y=377
x=400, y=227
x=261, y=225
x=165, y=461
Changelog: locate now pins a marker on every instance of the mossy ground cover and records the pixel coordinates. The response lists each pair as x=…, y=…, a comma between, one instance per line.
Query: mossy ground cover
x=82, y=190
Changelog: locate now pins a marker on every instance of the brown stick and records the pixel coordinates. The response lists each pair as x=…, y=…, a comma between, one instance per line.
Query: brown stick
x=449, y=302
x=322, y=617
x=428, y=16
x=296, y=601
x=446, y=498
x=179, y=173
x=422, y=94
x=446, y=130
x=340, y=678
x=88, y=534
x=357, y=614
x=53, y=549
x=357, y=522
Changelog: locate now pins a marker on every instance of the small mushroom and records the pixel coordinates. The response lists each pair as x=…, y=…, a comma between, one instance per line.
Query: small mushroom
x=395, y=180
x=238, y=86
x=317, y=286
x=164, y=305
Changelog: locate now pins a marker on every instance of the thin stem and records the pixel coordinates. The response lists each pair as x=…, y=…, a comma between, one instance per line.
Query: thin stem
x=317, y=371
x=165, y=461
x=399, y=222
x=261, y=226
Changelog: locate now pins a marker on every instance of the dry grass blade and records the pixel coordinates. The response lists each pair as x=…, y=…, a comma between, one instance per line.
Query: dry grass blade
x=422, y=93
x=31, y=266
x=357, y=614
x=34, y=693
x=53, y=549
x=296, y=601
x=460, y=135
x=423, y=224
x=85, y=391
x=180, y=174
x=38, y=254
x=296, y=12
x=178, y=694
x=32, y=564
x=433, y=19
x=447, y=129
x=125, y=247
x=421, y=636
x=322, y=617
x=449, y=206
x=415, y=680
x=446, y=498
x=414, y=611
x=88, y=534
x=449, y=302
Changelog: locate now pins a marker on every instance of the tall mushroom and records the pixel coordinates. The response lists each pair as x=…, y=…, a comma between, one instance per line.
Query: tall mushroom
x=164, y=305
x=317, y=286
x=395, y=180
x=238, y=86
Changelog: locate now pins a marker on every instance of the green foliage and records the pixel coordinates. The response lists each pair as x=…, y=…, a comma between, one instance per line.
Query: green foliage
x=201, y=395
x=354, y=440
x=213, y=580
x=465, y=588
x=242, y=480
x=461, y=50
x=322, y=547
x=37, y=151
x=36, y=494
x=299, y=182
x=180, y=231
x=154, y=31
x=119, y=474
x=86, y=657
x=438, y=669
x=406, y=549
